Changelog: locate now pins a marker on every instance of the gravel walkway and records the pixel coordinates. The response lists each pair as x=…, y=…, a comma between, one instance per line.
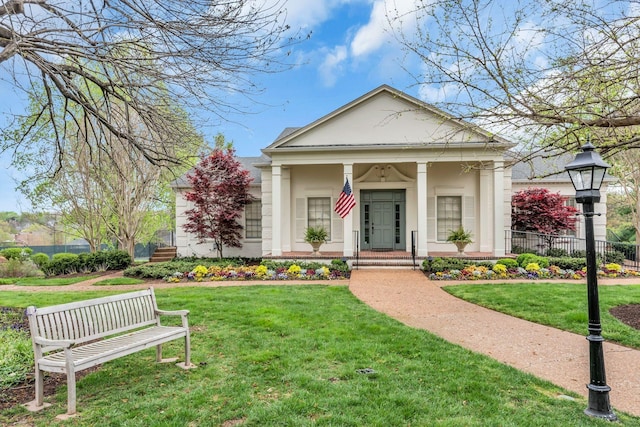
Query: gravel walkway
x=548, y=353
x=408, y=296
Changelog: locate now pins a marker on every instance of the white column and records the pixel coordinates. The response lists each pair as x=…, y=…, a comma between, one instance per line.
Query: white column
x=485, y=234
x=285, y=210
x=421, y=190
x=276, y=228
x=498, y=209
x=347, y=222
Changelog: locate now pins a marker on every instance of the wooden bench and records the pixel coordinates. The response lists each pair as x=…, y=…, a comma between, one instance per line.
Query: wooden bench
x=68, y=338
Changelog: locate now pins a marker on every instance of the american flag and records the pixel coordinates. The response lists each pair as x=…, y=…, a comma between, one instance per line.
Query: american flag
x=346, y=201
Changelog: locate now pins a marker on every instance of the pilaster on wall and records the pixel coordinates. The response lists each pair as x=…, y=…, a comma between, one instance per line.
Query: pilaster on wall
x=285, y=232
x=276, y=209
x=499, y=206
x=485, y=232
x=421, y=189
x=267, y=212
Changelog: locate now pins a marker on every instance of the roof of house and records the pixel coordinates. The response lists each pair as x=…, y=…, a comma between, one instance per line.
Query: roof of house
x=411, y=104
x=248, y=163
x=543, y=167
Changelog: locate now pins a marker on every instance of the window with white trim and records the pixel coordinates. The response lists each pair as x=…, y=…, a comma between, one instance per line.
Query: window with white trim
x=253, y=220
x=571, y=201
x=319, y=213
x=449, y=215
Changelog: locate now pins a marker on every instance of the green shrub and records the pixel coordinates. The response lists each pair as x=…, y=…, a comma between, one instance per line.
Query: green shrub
x=40, y=259
x=527, y=258
x=16, y=268
x=16, y=357
x=614, y=256
x=556, y=253
x=152, y=271
x=445, y=264
x=63, y=263
x=569, y=263
x=340, y=265
x=92, y=261
x=508, y=262
x=487, y=264
x=118, y=260
x=16, y=253
x=578, y=254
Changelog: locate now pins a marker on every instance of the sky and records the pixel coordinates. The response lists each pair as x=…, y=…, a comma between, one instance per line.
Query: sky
x=349, y=53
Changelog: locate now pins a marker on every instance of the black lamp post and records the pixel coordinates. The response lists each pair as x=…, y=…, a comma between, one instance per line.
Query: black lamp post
x=586, y=173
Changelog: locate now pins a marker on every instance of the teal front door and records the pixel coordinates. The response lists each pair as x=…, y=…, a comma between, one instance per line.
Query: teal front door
x=382, y=220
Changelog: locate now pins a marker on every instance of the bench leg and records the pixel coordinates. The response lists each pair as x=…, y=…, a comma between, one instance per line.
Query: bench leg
x=71, y=393
x=71, y=382
x=159, y=353
x=39, y=387
x=187, y=350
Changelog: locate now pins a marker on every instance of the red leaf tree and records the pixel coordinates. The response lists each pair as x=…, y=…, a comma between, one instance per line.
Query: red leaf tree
x=219, y=193
x=538, y=210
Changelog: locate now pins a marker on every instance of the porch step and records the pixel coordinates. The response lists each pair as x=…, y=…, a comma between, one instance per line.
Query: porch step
x=363, y=264
x=165, y=253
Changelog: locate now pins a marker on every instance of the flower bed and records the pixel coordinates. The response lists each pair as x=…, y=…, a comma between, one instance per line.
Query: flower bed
x=532, y=271
x=260, y=272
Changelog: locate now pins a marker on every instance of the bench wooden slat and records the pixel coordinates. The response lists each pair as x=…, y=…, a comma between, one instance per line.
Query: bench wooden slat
x=101, y=329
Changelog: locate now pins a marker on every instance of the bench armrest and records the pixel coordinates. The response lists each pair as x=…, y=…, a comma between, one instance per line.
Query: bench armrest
x=54, y=343
x=173, y=313
x=183, y=313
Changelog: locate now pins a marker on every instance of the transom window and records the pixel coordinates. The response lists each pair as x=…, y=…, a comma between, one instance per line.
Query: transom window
x=253, y=220
x=319, y=213
x=449, y=218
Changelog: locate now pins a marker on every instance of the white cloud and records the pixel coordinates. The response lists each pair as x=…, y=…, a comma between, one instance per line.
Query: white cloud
x=371, y=36
x=331, y=67
x=434, y=94
x=309, y=14
x=385, y=16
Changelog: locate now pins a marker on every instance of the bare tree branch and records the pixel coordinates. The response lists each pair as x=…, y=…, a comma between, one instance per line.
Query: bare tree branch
x=543, y=72
x=97, y=53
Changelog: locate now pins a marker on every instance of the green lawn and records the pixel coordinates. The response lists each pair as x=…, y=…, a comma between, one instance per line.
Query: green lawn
x=45, y=281
x=563, y=306
x=289, y=356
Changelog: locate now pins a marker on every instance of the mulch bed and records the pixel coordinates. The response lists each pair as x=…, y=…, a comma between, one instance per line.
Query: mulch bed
x=25, y=391
x=628, y=314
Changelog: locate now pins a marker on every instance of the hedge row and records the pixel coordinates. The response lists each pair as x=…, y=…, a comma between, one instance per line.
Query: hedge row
x=68, y=263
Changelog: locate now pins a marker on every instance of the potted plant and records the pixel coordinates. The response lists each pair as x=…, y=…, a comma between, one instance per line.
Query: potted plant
x=316, y=236
x=461, y=238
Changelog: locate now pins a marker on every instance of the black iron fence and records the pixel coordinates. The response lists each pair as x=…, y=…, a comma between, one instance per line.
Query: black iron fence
x=558, y=245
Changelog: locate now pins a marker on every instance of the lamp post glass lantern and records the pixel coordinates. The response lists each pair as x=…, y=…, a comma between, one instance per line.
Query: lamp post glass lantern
x=586, y=173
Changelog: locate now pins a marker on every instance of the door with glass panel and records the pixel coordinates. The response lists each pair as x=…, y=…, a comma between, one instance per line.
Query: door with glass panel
x=382, y=214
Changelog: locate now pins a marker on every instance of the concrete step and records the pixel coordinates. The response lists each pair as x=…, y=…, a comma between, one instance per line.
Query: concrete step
x=384, y=263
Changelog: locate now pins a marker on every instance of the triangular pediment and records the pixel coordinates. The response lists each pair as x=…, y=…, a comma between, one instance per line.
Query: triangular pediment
x=382, y=118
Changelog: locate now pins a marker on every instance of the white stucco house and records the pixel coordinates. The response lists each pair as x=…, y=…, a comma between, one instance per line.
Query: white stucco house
x=416, y=173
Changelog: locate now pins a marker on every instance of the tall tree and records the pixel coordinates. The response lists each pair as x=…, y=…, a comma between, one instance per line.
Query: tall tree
x=541, y=211
x=198, y=50
x=538, y=71
x=219, y=192
x=626, y=167
x=116, y=196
